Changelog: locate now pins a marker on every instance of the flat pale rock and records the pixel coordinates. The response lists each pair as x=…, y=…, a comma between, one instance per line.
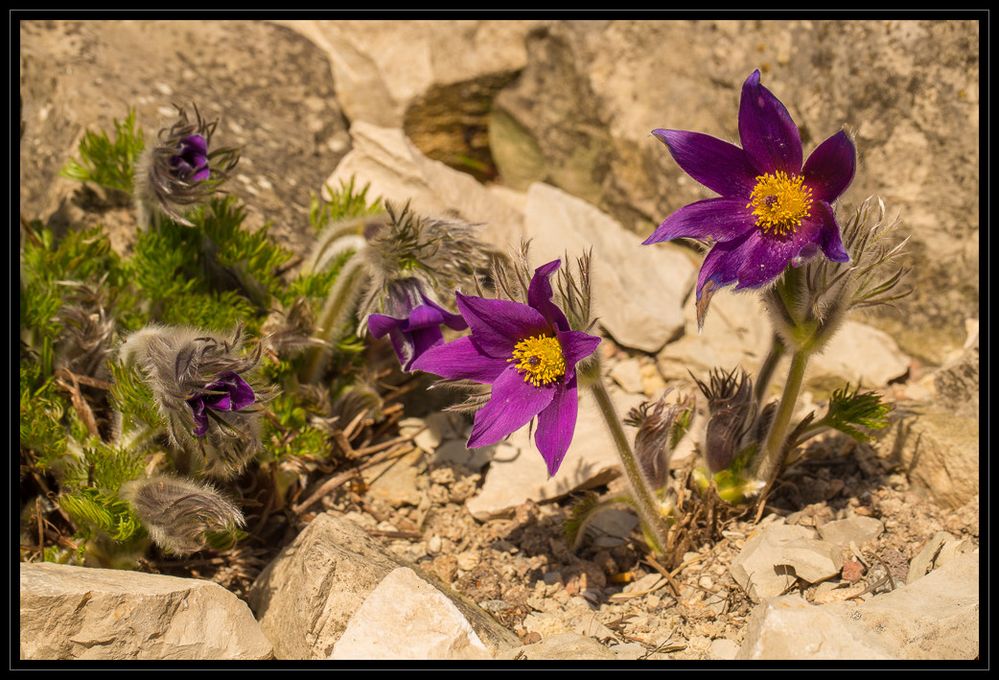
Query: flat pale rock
x=398, y=482
x=405, y=617
x=562, y=647
x=858, y=354
x=309, y=596
x=638, y=290
x=770, y=561
x=934, y=618
x=108, y=614
x=939, y=451
x=628, y=375
x=398, y=172
x=591, y=461
x=856, y=529
x=736, y=332
x=937, y=551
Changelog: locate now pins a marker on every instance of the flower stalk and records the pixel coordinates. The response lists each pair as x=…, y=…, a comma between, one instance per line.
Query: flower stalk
x=772, y=455
x=336, y=311
x=645, y=501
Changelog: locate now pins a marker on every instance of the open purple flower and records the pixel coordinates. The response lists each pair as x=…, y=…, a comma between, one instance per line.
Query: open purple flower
x=773, y=211
x=528, y=353
x=191, y=164
x=415, y=323
x=229, y=393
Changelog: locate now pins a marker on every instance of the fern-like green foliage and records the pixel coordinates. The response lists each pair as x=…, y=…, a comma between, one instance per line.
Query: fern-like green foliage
x=93, y=511
x=108, y=163
x=42, y=408
x=856, y=413
x=344, y=202
x=289, y=433
x=131, y=397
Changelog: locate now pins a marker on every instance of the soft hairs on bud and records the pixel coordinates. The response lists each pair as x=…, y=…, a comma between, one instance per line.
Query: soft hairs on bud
x=190, y=372
x=181, y=169
x=732, y=412
x=179, y=513
x=656, y=422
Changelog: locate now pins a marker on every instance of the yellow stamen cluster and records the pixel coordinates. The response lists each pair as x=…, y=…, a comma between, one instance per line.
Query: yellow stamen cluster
x=780, y=202
x=539, y=359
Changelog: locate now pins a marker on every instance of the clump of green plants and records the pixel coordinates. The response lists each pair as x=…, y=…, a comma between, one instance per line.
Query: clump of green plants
x=157, y=385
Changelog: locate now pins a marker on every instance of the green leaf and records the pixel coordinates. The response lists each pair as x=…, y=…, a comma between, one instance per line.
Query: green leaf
x=343, y=203
x=111, y=164
x=856, y=413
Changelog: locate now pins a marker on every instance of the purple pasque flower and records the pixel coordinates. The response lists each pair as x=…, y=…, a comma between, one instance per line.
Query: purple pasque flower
x=773, y=210
x=528, y=353
x=414, y=325
x=191, y=163
x=228, y=393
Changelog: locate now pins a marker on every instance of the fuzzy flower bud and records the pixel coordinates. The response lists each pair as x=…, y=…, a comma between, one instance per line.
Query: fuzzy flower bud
x=198, y=382
x=732, y=421
x=179, y=514
x=181, y=170
x=658, y=424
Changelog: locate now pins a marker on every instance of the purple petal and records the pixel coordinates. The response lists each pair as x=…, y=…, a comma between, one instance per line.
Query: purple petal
x=721, y=266
x=497, y=325
x=765, y=257
x=721, y=219
x=218, y=402
x=576, y=346
x=195, y=143
x=539, y=295
x=512, y=405
x=381, y=324
x=422, y=316
x=402, y=345
x=422, y=339
x=829, y=237
x=449, y=319
x=829, y=169
x=460, y=360
x=718, y=165
x=769, y=136
x=200, y=417
x=556, y=423
x=202, y=174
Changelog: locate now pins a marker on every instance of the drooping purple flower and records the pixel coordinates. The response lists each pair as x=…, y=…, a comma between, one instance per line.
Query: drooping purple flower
x=528, y=353
x=190, y=164
x=773, y=210
x=414, y=325
x=229, y=393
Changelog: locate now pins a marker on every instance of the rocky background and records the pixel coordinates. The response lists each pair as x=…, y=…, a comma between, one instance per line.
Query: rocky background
x=541, y=129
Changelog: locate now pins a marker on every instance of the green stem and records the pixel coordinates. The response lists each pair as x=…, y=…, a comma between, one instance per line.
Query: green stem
x=646, y=502
x=772, y=456
x=768, y=367
x=340, y=302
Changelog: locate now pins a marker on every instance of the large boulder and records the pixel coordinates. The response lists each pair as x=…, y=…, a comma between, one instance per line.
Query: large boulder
x=80, y=613
x=332, y=594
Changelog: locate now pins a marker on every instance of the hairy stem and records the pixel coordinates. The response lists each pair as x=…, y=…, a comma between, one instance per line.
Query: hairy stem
x=767, y=369
x=337, y=308
x=646, y=502
x=772, y=455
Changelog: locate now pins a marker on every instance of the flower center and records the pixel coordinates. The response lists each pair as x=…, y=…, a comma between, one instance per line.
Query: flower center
x=780, y=202
x=539, y=359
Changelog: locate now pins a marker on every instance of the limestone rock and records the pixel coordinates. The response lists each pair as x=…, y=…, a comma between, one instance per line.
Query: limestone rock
x=723, y=649
x=398, y=482
x=934, y=618
x=397, y=171
x=80, y=613
x=309, y=596
x=937, y=551
x=938, y=449
x=736, y=332
x=271, y=88
x=638, y=290
x=856, y=529
x=957, y=383
x=770, y=561
x=628, y=374
x=562, y=647
x=382, y=67
x=858, y=354
x=520, y=474
x=405, y=617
